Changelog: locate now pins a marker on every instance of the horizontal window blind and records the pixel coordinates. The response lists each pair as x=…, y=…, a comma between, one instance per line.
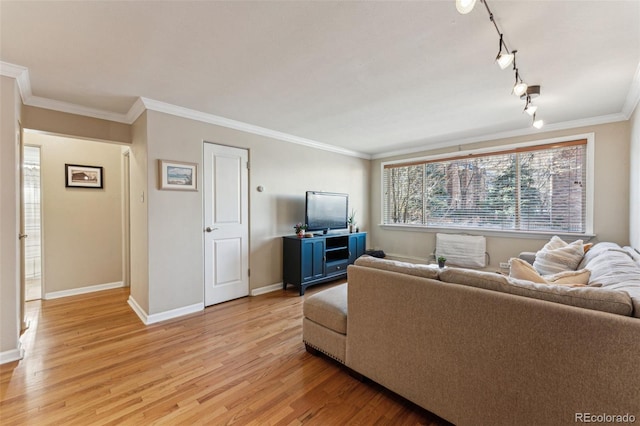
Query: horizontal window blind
x=540, y=188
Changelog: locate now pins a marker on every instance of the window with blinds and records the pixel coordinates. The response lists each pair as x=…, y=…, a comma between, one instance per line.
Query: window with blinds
x=536, y=188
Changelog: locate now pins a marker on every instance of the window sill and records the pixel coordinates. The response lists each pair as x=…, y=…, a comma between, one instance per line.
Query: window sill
x=537, y=235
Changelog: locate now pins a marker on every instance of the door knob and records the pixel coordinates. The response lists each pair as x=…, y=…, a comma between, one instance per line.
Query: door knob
x=210, y=229
x=22, y=236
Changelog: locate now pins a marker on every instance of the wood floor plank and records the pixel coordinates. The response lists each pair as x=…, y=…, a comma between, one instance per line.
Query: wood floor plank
x=90, y=361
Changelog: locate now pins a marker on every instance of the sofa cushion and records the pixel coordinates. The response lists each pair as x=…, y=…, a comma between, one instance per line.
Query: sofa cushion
x=521, y=269
x=418, y=270
x=557, y=256
x=328, y=308
x=599, y=299
x=614, y=268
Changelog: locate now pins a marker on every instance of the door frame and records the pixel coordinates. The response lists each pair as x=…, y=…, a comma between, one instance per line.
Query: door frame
x=126, y=218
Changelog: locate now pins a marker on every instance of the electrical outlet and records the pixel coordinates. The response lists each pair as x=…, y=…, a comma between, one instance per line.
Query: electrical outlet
x=504, y=265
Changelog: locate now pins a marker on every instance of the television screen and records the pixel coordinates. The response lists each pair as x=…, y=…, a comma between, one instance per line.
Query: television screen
x=326, y=210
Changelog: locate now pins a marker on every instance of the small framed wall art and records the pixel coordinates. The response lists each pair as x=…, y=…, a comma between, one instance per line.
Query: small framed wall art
x=178, y=175
x=78, y=176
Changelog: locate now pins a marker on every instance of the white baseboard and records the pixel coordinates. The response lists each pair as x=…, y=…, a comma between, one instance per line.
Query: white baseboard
x=163, y=316
x=266, y=289
x=82, y=290
x=12, y=355
x=137, y=309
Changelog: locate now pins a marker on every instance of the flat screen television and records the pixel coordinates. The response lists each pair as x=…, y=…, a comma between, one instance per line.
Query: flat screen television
x=325, y=211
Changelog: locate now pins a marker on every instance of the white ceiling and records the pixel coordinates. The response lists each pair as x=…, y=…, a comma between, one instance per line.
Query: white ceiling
x=370, y=77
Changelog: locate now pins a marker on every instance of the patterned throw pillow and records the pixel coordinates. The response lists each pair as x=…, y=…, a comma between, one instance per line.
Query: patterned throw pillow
x=558, y=256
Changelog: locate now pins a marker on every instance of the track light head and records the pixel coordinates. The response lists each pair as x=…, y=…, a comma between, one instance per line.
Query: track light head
x=465, y=6
x=520, y=88
x=504, y=59
x=529, y=108
x=537, y=123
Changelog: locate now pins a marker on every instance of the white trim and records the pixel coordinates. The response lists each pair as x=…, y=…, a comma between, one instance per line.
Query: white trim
x=175, y=313
x=8, y=69
x=141, y=104
x=163, y=316
x=633, y=97
x=82, y=290
x=136, y=110
x=245, y=127
x=593, y=121
x=266, y=289
x=21, y=74
x=533, y=235
x=590, y=137
x=12, y=355
x=137, y=309
x=46, y=103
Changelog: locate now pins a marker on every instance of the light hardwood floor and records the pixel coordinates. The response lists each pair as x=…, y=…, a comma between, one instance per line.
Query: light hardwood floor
x=89, y=360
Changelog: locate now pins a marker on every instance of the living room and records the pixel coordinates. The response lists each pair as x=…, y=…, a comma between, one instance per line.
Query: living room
x=167, y=261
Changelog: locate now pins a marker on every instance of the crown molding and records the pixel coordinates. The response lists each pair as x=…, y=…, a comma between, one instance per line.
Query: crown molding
x=136, y=110
x=21, y=74
x=633, y=97
x=437, y=144
x=245, y=127
x=61, y=106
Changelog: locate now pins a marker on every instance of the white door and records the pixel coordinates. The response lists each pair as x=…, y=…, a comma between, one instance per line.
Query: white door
x=226, y=223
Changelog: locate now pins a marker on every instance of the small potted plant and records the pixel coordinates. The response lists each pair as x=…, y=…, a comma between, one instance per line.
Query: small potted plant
x=300, y=228
x=351, y=220
x=441, y=261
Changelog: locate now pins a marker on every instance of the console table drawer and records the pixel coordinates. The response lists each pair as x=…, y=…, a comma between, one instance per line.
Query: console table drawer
x=336, y=267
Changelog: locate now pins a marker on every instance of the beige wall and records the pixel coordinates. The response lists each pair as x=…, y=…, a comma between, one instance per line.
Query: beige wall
x=139, y=290
x=175, y=219
x=82, y=227
x=611, y=193
x=9, y=220
x=634, y=182
x=63, y=123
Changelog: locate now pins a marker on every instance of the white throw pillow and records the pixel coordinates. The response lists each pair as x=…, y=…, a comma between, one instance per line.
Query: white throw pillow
x=558, y=256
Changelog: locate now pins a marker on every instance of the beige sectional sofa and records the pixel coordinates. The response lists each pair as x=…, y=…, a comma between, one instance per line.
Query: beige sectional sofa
x=478, y=348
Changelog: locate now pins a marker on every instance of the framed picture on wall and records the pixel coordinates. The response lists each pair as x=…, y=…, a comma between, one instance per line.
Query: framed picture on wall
x=78, y=176
x=178, y=175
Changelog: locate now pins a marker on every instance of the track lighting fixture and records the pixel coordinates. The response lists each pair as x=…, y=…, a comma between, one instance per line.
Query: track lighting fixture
x=537, y=123
x=504, y=59
x=520, y=87
x=529, y=108
x=465, y=6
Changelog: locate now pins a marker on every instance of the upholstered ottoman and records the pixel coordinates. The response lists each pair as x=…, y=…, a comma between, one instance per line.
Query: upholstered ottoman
x=324, y=327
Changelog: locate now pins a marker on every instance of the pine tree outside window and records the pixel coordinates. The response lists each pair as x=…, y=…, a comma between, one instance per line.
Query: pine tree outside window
x=540, y=188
